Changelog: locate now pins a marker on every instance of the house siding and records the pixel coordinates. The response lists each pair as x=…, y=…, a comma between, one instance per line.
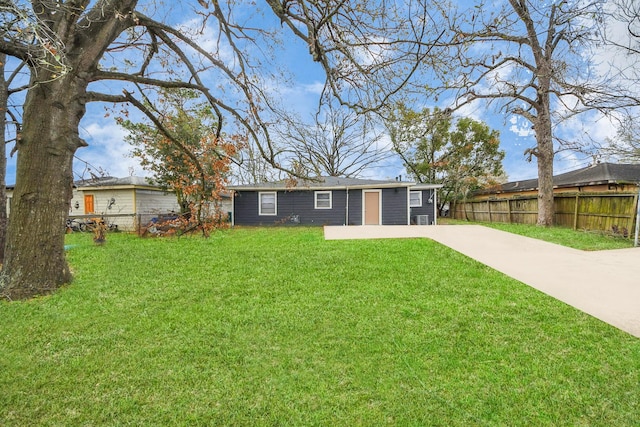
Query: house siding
x=129, y=204
x=394, y=206
x=156, y=202
x=426, y=208
x=101, y=198
x=151, y=203
x=293, y=207
x=297, y=207
x=245, y=208
x=355, y=207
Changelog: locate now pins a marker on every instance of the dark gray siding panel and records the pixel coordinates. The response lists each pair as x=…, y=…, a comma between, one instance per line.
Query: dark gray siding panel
x=426, y=208
x=394, y=206
x=355, y=207
x=293, y=207
x=300, y=205
x=245, y=208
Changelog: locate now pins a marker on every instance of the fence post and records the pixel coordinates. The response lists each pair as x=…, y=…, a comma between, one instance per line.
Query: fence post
x=509, y=200
x=635, y=241
x=575, y=212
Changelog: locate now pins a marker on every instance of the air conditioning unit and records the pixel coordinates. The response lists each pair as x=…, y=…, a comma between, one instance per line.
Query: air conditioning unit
x=422, y=219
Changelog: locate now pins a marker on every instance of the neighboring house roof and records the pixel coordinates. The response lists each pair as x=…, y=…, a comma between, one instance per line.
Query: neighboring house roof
x=110, y=182
x=129, y=182
x=327, y=182
x=598, y=174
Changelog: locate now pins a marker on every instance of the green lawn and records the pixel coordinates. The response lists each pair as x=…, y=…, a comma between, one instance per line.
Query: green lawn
x=280, y=327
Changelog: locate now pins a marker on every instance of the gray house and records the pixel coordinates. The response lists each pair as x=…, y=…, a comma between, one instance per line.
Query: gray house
x=335, y=201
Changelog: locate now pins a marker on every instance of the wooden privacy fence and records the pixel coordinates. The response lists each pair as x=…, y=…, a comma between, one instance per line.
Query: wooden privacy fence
x=611, y=212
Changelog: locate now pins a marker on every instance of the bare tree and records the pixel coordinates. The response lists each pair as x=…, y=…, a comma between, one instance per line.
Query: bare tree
x=116, y=51
x=622, y=37
x=535, y=61
x=251, y=167
x=625, y=146
x=625, y=14
x=339, y=143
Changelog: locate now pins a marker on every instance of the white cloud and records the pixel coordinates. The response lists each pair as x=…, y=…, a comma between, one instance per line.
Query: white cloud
x=314, y=88
x=208, y=39
x=107, y=151
x=521, y=127
x=473, y=111
x=519, y=170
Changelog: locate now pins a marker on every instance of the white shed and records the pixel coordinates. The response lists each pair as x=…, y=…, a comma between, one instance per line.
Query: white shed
x=126, y=202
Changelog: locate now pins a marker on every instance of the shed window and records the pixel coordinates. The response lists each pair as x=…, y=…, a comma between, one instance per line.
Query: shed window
x=323, y=199
x=267, y=203
x=415, y=199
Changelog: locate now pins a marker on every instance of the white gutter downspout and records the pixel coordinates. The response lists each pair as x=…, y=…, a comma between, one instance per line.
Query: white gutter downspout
x=435, y=206
x=233, y=208
x=346, y=219
x=409, y=205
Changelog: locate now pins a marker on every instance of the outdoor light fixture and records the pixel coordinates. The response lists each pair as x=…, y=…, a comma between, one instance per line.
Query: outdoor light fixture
x=77, y=205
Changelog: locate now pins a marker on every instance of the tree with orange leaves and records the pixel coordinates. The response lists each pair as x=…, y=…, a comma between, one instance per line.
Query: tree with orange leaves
x=184, y=155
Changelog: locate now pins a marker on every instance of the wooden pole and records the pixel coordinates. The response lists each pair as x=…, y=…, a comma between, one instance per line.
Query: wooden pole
x=635, y=241
x=575, y=212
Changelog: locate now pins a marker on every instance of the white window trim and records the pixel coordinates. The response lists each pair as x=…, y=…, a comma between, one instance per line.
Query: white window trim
x=420, y=202
x=315, y=199
x=275, y=200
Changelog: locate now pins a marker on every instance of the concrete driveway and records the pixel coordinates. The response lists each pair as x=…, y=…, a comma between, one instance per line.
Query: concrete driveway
x=604, y=284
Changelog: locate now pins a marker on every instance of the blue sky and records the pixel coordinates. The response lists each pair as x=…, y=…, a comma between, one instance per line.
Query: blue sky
x=109, y=152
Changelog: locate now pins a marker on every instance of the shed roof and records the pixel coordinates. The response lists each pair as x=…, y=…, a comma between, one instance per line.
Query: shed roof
x=597, y=174
x=110, y=181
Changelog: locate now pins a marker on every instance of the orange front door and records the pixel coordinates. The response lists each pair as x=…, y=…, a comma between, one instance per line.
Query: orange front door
x=88, y=204
x=371, y=208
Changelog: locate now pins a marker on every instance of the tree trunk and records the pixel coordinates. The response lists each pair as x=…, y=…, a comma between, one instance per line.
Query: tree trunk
x=545, y=154
x=4, y=102
x=34, y=260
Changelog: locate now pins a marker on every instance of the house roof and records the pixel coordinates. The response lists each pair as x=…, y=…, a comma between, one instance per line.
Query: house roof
x=322, y=183
x=597, y=174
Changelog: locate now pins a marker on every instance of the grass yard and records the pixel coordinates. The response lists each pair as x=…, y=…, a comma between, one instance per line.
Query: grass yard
x=280, y=327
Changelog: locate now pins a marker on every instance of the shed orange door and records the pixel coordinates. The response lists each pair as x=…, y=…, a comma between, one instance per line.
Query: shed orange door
x=371, y=208
x=88, y=204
